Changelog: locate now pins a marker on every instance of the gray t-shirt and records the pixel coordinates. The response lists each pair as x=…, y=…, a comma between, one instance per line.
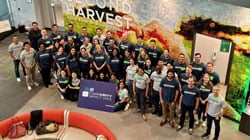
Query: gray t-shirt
x=16, y=49
x=28, y=57
x=141, y=81
x=131, y=71
x=215, y=105
x=157, y=80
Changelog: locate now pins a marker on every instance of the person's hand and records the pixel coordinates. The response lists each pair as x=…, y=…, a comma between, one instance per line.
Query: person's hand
x=173, y=104
x=161, y=100
x=205, y=114
x=217, y=117
x=116, y=103
x=179, y=107
x=194, y=111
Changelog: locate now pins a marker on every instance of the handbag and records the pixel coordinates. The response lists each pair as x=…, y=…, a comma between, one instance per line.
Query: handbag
x=16, y=130
x=46, y=127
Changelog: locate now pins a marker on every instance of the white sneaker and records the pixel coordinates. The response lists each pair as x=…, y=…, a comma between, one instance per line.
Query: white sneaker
x=61, y=96
x=29, y=88
x=203, y=124
x=197, y=122
x=190, y=131
x=126, y=107
x=18, y=79
x=36, y=84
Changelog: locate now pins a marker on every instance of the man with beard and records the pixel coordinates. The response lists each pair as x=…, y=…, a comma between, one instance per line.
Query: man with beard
x=71, y=33
x=169, y=90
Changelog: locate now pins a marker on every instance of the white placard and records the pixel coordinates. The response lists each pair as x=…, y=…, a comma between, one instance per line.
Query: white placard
x=4, y=26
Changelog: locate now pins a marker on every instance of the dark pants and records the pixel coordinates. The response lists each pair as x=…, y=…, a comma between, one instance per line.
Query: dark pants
x=190, y=110
x=156, y=100
x=16, y=66
x=210, y=119
x=140, y=99
x=120, y=106
x=46, y=76
x=130, y=89
x=201, y=111
x=73, y=94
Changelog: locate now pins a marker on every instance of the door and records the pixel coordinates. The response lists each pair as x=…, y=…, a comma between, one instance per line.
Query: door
x=217, y=51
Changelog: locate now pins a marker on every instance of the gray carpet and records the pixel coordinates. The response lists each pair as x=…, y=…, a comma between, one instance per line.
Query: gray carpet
x=13, y=94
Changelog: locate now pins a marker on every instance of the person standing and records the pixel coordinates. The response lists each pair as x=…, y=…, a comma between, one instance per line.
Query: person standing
x=44, y=62
x=33, y=35
x=45, y=40
x=199, y=67
x=71, y=33
x=153, y=52
x=131, y=70
x=55, y=35
x=214, y=111
x=140, y=88
x=15, y=49
x=214, y=76
x=156, y=78
x=169, y=90
x=180, y=65
x=27, y=59
x=189, y=101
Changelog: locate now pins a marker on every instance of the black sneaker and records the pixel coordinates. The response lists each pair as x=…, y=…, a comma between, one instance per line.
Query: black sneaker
x=205, y=135
x=215, y=138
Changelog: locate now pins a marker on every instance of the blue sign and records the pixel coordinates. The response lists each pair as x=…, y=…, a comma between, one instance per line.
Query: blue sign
x=97, y=95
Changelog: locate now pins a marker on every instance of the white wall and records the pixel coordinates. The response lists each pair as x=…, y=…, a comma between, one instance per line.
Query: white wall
x=25, y=13
x=22, y=12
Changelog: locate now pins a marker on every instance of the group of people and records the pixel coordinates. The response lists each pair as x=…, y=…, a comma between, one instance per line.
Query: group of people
x=140, y=72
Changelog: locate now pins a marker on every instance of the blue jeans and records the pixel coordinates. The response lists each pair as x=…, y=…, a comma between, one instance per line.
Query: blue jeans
x=210, y=119
x=120, y=106
x=16, y=66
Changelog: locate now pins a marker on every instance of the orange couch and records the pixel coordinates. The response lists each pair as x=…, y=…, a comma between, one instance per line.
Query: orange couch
x=75, y=119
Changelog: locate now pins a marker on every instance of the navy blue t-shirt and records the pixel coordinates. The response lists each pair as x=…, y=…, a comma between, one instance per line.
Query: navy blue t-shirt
x=74, y=36
x=138, y=48
x=184, y=79
x=169, y=89
x=63, y=82
x=179, y=68
x=125, y=46
x=84, y=63
x=99, y=59
x=190, y=95
x=154, y=55
x=44, y=58
x=198, y=70
x=214, y=77
x=47, y=42
x=61, y=60
x=115, y=64
x=166, y=60
x=73, y=64
x=205, y=90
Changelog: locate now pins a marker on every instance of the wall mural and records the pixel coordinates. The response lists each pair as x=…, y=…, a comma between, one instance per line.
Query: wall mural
x=172, y=23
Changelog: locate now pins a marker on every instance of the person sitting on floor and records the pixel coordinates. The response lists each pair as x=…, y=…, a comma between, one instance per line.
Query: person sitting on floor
x=121, y=97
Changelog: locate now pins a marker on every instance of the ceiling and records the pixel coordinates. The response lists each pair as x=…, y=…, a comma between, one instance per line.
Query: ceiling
x=242, y=3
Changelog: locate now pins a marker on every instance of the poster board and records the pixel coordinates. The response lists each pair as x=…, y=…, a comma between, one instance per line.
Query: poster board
x=4, y=26
x=97, y=95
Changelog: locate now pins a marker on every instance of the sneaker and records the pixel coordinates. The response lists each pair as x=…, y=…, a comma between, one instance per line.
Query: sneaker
x=171, y=124
x=36, y=84
x=138, y=110
x=61, y=96
x=126, y=107
x=130, y=101
x=163, y=122
x=197, y=122
x=190, y=131
x=29, y=88
x=178, y=128
x=205, y=136
x=203, y=124
x=18, y=79
x=215, y=138
x=144, y=117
